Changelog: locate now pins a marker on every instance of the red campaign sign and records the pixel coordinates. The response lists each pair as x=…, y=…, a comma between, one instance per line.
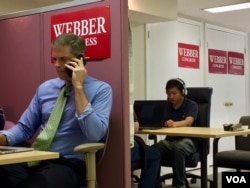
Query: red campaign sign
x=188, y=56
x=92, y=24
x=235, y=63
x=217, y=61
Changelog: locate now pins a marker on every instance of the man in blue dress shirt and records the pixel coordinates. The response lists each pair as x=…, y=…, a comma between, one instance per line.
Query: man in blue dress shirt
x=85, y=119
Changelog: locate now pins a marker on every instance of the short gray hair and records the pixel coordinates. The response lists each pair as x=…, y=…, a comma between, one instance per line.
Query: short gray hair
x=76, y=43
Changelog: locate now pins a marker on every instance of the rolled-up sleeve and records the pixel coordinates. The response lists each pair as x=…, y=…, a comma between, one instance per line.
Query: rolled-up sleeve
x=94, y=120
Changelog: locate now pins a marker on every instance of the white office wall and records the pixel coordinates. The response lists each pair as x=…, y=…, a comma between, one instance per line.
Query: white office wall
x=162, y=55
x=227, y=88
x=161, y=64
x=139, y=60
x=162, y=58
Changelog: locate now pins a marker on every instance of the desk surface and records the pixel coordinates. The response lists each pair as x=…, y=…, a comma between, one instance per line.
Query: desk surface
x=201, y=132
x=27, y=156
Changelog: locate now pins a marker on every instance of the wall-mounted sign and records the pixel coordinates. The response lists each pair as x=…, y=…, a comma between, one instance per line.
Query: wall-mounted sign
x=235, y=63
x=188, y=56
x=91, y=24
x=217, y=61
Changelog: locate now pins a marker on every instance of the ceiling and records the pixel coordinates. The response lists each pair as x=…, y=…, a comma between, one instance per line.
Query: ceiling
x=13, y=6
x=234, y=19
x=186, y=8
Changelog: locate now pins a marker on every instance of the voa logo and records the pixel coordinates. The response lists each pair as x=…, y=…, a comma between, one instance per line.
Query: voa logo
x=236, y=179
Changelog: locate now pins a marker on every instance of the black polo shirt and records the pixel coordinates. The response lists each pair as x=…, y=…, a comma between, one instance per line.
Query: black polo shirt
x=188, y=108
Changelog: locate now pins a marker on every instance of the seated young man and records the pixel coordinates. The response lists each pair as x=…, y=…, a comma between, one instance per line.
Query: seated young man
x=180, y=112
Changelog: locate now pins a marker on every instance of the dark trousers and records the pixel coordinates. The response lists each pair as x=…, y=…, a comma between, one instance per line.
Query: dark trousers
x=63, y=173
x=150, y=175
x=176, y=151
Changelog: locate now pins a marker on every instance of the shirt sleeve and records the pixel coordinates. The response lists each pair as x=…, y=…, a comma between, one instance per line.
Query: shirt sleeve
x=94, y=120
x=193, y=110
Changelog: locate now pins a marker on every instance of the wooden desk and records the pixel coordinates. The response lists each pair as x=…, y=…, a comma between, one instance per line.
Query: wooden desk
x=199, y=132
x=27, y=156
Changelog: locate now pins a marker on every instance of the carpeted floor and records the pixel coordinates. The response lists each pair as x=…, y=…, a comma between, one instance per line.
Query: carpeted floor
x=197, y=184
x=192, y=185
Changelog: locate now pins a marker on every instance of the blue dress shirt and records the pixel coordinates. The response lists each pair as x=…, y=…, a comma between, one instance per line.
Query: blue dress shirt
x=90, y=126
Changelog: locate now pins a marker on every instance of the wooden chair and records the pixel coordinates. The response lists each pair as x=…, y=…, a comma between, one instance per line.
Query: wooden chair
x=89, y=150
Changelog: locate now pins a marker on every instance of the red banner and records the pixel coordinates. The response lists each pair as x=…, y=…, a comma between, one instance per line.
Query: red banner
x=235, y=63
x=217, y=61
x=92, y=24
x=188, y=56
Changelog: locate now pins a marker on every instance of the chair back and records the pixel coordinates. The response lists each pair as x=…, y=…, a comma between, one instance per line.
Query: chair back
x=100, y=153
x=142, y=164
x=242, y=142
x=202, y=96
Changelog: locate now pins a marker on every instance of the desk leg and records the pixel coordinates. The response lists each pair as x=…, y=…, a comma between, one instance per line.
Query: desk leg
x=204, y=164
x=215, y=169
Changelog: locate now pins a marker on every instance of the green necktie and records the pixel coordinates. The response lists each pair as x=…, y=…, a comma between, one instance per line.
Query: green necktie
x=44, y=139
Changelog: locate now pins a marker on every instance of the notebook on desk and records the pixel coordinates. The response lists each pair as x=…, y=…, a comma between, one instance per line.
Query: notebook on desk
x=10, y=149
x=150, y=113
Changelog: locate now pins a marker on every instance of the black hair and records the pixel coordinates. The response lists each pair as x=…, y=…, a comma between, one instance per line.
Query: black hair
x=178, y=83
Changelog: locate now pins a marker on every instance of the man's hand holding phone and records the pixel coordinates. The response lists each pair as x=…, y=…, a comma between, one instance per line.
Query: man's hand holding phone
x=76, y=70
x=79, y=73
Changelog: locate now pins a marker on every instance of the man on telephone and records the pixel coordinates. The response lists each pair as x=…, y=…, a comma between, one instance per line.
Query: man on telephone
x=85, y=118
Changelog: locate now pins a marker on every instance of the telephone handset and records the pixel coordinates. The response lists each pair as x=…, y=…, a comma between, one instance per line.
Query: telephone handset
x=69, y=72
